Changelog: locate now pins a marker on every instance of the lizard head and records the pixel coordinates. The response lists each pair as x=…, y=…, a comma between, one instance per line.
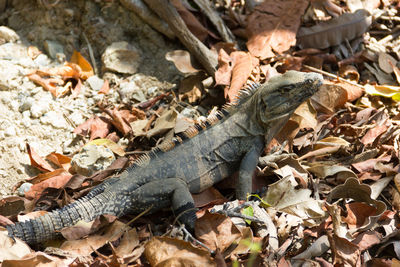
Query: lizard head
x=284, y=93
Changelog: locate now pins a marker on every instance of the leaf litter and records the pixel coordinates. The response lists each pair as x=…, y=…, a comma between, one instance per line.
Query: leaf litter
x=332, y=191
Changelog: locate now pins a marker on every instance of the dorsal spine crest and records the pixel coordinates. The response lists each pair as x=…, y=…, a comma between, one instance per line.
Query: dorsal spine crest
x=214, y=118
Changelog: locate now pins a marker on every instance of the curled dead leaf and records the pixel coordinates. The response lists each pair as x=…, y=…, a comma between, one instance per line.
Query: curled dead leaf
x=166, y=251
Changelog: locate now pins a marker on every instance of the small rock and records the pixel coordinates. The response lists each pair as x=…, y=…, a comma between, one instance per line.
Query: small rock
x=129, y=90
x=92, y=158
x=42, y=60
x=55, y=119
x=121, y=57
x=26, y=104
x=24, y=188
x=2, y=135
x=7, y=35
x=14, y=105
x=95, y=82
x=77, y=118
x=39, y=109
x=53, y=48
x=10, y=131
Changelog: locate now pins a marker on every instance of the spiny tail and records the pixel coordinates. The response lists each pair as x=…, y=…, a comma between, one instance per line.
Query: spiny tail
x=46, y=227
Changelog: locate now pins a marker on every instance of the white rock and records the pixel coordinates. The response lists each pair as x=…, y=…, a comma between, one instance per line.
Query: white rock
x=39, y=109
x=55, y=119
x=129, y=90
x=24, y=188
x=14, y=105
x=7, y=35
x=26, y=104
x=42, y=60
x=121, y=57
x=77, y=118
x=92, y=158
x=95, y=83
x=2, y=135
x=53, y=48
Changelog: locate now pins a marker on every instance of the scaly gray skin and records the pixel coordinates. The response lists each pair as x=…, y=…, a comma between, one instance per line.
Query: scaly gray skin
x=230, y=141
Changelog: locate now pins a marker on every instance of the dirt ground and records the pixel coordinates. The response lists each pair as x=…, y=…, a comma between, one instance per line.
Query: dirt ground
x=29, y=114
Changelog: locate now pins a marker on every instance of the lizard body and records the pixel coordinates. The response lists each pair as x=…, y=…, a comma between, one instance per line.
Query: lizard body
x=229, y=141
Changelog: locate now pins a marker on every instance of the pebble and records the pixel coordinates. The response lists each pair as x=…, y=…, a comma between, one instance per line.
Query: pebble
x=8, y=35
x=53, y=48
x=92, y=158
x=55, y=119
x=42, y=60
x=121, y=57
x=95, y=83
x=24, y=188
x=10, y=131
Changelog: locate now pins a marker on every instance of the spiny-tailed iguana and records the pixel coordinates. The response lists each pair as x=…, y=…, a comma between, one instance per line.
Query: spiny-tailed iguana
x=230, y=140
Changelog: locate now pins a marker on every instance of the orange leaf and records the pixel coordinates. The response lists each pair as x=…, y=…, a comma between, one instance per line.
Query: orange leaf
x=60, y=160
x=44, y=176
x=37, y=161
x=87, y=69
x=105, y=88
x=50, y=84
x=55, y=182
x=243, y=64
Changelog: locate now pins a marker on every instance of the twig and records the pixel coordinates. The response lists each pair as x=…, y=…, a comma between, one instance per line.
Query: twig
x=92, y=59
x=168, y=13
x=333, y=76
x=148, y=16
x=225, y=32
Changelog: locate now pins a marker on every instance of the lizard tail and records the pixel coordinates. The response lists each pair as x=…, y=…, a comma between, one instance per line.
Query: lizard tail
x=47, y=227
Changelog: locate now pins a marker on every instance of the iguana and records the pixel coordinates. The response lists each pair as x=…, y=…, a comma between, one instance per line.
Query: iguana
x=230, y=140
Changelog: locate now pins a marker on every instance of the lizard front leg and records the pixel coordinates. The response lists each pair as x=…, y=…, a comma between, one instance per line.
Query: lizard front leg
x=247, y=167
x=168, y=192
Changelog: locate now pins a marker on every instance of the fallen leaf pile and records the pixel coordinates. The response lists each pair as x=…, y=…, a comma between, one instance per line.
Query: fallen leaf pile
x=329, y=181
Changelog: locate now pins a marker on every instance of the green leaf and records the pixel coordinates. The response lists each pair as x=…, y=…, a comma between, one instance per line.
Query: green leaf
x=249, y=212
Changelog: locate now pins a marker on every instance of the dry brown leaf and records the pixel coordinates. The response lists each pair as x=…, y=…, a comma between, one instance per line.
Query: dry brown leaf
x=129, y=241
x=191, y=21
x=93, y=242
x=86, y=68
x=333, y=32
x=166, y=251
x=119, y=121
x=386, y=62
x=83, y=228
x=12, y=249
x=345, y=253
x=224, y=73
x=191, y=88
x=273, y=25
x=11, y=205
x=37, y=161
x=164, y=123
x=216, y=231
x=348, y=72
x=182, y=61
x=31, y=215
x=367, y=239
x=357, y=213
x=243, y=64
x=353, y=189
x=210, y=195
x=373, y=133
x=55, y=182
x=39, y=259
x=59, y=160
x=44, y=176
x=51, y=84
x=105, y=88
x=329, y=97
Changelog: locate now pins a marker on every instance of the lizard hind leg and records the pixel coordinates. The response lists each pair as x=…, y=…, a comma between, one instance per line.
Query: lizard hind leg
x=168, y=192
